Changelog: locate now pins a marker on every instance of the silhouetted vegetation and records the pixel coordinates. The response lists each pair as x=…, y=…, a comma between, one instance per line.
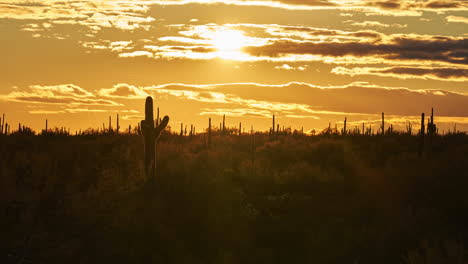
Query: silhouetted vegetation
x=221, y=197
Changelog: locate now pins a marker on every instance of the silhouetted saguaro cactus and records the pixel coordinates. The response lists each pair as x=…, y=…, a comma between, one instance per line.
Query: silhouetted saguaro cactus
x=431, y=127
x=117, y=125
x=151, y=135
x=421, y=133
x=209, y=132
x=240, y=128
x=224, y=124
x=409, y=128
x=344, y=127
x=253, y=150
x=273, y=127
x=383, y=123
x=3, y=128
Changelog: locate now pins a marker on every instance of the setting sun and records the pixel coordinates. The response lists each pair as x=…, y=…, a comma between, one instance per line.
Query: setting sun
x=228, y=40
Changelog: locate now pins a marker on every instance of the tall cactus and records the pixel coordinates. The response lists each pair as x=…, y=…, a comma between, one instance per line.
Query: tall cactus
x=224, y=124
x=344, y=127
x=431, y=127
x=409, y=128
x=422, y=125
x=383, y=123
x=151, y=135
x=253, y=150
x=2, y=125
x=421, y=142
x=117, y=125
x=209, y=132
x=273, y=127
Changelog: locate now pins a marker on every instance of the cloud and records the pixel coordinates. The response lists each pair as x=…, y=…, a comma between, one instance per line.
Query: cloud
x=60, y=90
x=291, y=68
x=47, y=112
x=440, y=74
x=138, y=53
x=131, y=15
x=409, y=48
x=457, y=19
x=85, y=110
x=63, y=94
x=95, y=15
x=359, y=101
x=133, y=117
x=287, y=44
x=238, y=112
x=123, y=90
x=306, y=99
x=373, y=24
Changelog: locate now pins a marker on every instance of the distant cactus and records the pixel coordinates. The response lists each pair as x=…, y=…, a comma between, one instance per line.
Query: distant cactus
x=409, y=128
x=273, y=127
x=224, y=124
x=390, y=129
x=431, y=127
x=253, y=150
x=382, y=127
x=117, y=125
x=209, y=132
x=422, y=126
x=2, y=125
x=151, y=135
x=421, y=133
x=344, y=131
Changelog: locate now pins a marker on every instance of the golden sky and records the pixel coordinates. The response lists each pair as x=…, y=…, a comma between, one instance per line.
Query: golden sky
x=309, y=62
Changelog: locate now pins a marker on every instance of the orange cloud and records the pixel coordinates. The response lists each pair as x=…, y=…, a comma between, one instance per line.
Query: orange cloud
x=433, y=73
x=457, y=19
x=63, y=94
x=123, y=90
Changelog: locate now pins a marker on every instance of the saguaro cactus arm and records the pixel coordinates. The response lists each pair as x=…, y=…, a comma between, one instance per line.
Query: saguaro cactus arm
x=160, y=127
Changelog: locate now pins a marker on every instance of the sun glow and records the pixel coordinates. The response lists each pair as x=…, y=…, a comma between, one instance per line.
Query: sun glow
x=228, y=40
